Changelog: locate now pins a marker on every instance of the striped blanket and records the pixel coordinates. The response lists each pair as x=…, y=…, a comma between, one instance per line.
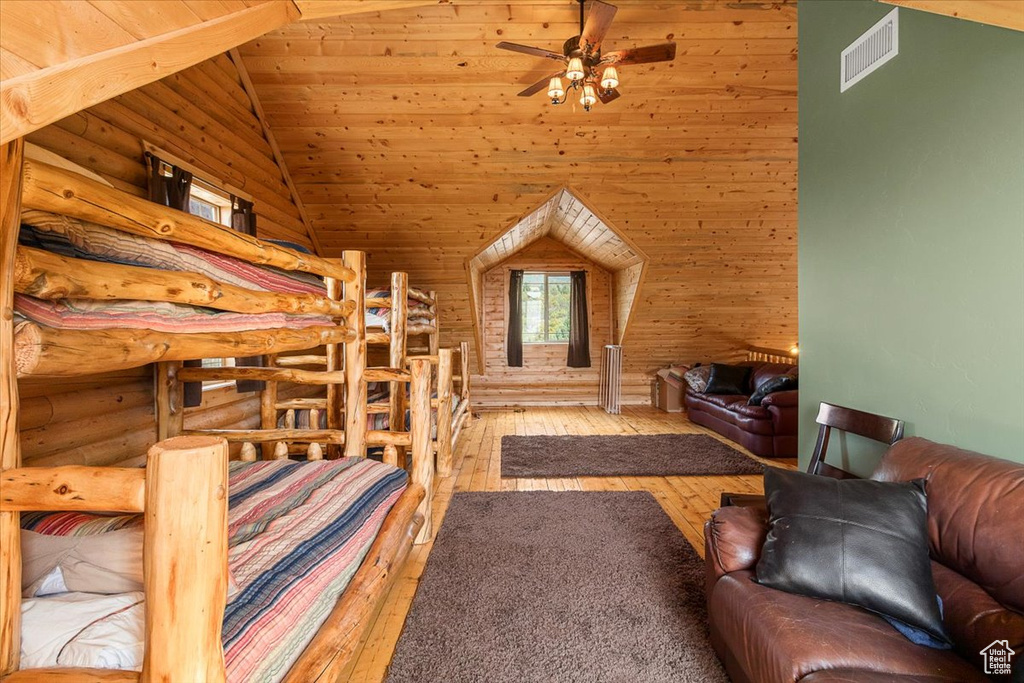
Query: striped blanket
x=80, y=239
x=419, y=312
x=88, y=314
x=297, y=533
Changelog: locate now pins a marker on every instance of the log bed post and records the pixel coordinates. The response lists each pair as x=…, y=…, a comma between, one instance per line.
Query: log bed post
x=335, y=397
x=422, y=453
x=355, y=358
x=444, y=412
x=11, y=156
x=397, y=352
x=464, y=369
x=268, y=408
x=170, y=400
x=434, y=338
x=185, y=559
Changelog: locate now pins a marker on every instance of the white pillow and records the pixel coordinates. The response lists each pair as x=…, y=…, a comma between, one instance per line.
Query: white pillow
x=83, y=630
x=101, y=563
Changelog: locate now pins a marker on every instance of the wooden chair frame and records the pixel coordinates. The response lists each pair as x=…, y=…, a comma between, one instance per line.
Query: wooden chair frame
x=886, y=430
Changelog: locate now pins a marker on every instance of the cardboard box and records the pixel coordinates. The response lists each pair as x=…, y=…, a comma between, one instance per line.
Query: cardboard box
x=668, y=394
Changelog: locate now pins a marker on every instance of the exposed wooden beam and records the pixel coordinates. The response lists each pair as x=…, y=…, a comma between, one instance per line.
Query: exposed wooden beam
x=1005, y=13
x=254, y=99
x=325, y=9
x=34, y=100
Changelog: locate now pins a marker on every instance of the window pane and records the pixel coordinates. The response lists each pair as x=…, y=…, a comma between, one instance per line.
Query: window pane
x=203, y=209
x=533, y=278
x=533, y=312
x=558, y=309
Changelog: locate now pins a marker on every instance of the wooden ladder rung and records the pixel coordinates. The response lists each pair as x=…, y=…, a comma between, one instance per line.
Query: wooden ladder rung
x=262, y=374
x=293, y=361
x=335, y=436
x=302, y=404
x=386, y=375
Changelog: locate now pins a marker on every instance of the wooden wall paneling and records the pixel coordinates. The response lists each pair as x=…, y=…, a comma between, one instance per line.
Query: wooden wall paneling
x=1005, y=13
x=544, y=365
x=32, y=100
x=109, y=419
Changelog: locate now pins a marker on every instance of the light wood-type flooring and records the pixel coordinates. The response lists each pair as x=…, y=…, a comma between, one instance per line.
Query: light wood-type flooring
x=687, y=500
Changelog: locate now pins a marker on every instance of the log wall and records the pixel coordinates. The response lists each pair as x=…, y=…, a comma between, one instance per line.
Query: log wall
x=204, y=116
x=544, y=378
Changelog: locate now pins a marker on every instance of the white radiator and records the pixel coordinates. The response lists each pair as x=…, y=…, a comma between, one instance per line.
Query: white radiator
x=611, y=379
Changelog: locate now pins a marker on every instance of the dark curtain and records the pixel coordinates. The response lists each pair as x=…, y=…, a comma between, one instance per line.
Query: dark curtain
x=579, y=325
x=514, y=342
x=243, y=219
x=173, y=191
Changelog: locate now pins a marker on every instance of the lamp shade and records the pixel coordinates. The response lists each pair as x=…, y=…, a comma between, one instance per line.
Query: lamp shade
x=610, y=79
x=589, y=97
x=555, y=89
x=574, y=71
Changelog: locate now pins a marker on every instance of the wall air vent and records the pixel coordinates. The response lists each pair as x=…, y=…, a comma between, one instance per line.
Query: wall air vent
x=874, y=48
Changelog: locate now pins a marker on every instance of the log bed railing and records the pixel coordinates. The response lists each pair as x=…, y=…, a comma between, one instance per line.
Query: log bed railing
x=183, y=490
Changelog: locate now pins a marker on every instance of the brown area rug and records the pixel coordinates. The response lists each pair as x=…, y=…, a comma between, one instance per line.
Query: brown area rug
x=634, y=455
x=531, y=587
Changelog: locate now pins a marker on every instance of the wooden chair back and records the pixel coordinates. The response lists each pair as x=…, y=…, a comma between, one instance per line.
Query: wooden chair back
x=887, y=430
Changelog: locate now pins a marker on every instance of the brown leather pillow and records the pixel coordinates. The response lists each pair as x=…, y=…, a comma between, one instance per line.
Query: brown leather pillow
x=857, y=541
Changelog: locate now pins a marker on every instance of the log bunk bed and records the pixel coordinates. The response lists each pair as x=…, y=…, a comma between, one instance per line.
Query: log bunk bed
x=397, y=314
x=180, y=500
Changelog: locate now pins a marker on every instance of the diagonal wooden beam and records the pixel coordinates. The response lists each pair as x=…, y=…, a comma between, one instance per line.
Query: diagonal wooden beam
x=254, y=99
x=1005, y=13
x=34, y=100
x=326, y=9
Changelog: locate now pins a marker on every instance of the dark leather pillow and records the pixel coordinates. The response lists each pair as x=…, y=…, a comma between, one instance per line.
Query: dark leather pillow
x=856, y=541
x=727, y=379
x=770, y=386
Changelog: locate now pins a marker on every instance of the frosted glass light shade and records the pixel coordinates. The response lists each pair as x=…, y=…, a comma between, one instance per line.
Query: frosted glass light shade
x=574, y=71
x=610, y=79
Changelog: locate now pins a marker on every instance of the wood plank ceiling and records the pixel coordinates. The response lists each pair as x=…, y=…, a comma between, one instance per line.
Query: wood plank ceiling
x=404, y=137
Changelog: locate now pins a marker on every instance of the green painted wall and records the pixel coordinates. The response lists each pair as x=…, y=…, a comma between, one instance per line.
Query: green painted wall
x=912, y=231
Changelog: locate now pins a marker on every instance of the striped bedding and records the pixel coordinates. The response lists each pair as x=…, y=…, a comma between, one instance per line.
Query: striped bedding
x=89, y=314
x=80, y=239
x=297, y=533
x=419, y=312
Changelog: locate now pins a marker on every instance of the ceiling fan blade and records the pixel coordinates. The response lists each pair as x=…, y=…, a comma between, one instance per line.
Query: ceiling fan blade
x=528, y=50
x=607, y=96
x=665, y=52
x=540, y=85
x=598, y=22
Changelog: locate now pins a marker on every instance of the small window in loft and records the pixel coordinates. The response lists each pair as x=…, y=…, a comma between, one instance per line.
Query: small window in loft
x=546, y=308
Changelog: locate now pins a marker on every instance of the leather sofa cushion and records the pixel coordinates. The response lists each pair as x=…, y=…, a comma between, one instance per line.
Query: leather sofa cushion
x=721, y=400
x=755, y=412
x=781, y=637
x=865, y=676
x=974, y=512
x=762, y=372
x=859, y=541
x=973, y=617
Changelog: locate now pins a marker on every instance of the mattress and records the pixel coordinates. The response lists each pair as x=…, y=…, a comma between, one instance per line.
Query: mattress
x=89, y=314
x=297, y=533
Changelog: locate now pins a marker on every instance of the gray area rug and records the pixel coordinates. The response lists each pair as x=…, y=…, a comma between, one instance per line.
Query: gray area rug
x=635, y=455
x=531, y=587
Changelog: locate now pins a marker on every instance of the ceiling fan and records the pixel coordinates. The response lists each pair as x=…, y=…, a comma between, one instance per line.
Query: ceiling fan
x=583, y=59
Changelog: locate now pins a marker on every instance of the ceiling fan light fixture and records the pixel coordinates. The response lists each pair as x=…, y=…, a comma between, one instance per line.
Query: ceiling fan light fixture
x=555, y=89
x=610, y=79
x=589, y=97
x=574, y=72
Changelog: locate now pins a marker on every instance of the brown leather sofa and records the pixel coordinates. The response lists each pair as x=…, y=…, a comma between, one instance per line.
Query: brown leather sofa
x=768, y=430
x=976, y=529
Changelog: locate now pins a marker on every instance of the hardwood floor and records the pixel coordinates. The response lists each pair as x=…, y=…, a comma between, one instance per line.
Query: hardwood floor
x=687, y=500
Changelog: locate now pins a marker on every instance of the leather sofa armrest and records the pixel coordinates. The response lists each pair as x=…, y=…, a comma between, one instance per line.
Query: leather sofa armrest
x=733, y=538
x=782, y=399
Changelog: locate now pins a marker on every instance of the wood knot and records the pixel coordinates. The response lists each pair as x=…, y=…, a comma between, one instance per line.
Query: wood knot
x=62, y=490
x=68, y=194
x=220, y=492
